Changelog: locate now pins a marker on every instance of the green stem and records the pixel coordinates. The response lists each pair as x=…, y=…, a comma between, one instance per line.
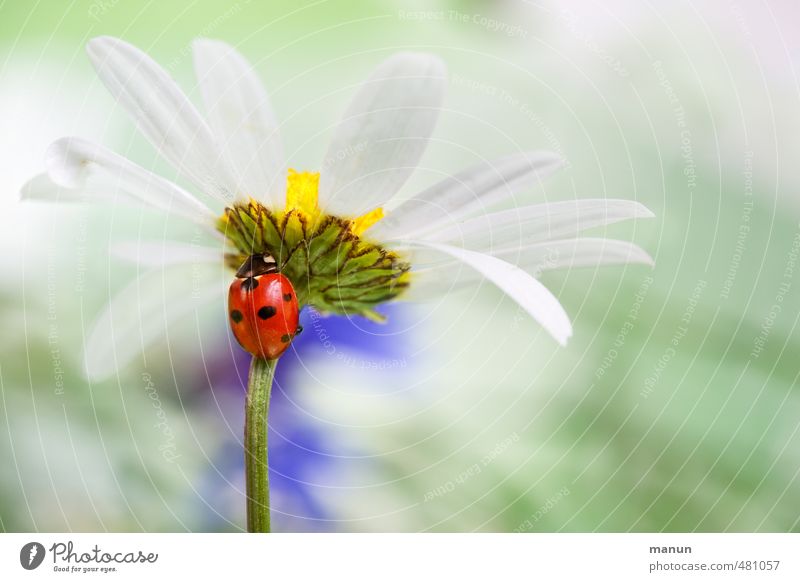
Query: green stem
x=256, y=467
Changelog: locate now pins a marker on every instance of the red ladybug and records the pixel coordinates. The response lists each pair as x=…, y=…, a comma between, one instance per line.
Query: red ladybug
x=262, y=307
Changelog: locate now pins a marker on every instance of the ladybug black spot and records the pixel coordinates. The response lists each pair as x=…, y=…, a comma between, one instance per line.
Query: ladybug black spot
x=287, y=297
x=236, y=316
x=266, y=312
x=286, y=338
x=250, y=283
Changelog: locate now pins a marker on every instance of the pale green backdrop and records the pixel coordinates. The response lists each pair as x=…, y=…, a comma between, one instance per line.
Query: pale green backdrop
x=675, y=407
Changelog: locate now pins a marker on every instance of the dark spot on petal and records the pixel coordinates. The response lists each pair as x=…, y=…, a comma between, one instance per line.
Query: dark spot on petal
x=236, y=316
x=286, y=338
x=250, y=283
x=287, y=297
x=299, y=329
x=266, y=312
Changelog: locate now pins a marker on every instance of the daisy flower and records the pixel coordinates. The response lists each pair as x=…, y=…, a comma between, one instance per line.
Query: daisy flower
x=331, y=231
x=338, y=235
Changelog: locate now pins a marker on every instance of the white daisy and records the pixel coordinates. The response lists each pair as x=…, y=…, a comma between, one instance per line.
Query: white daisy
x=338, y=235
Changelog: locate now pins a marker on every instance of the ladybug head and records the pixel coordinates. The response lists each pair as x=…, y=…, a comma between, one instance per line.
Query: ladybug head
x=255, y=265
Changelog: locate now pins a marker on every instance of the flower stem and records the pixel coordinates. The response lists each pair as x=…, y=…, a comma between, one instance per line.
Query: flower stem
x=256, y=467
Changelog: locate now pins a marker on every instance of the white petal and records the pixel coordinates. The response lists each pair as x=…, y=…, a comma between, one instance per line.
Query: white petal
x=164, y=114
x=438, y=275
x=167, y=252
x=42, y=188
x=527, y=224
x=529, y=293
x=143, y=312
x=575, y=253
x=474, y=189
x=80, y=165
x=242, y=119
x=383, y=134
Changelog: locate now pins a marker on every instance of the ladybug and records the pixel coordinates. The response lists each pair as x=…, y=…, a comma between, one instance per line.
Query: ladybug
x=262, y=307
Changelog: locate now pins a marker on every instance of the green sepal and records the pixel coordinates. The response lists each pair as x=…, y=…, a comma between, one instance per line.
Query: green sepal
x=331, y=268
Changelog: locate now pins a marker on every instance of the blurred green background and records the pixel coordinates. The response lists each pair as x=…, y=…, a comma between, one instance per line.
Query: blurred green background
x=675, y=406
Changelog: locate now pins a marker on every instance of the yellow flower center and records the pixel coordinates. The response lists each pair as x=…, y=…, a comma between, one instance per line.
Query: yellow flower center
x=325, y=257
x=302, y=197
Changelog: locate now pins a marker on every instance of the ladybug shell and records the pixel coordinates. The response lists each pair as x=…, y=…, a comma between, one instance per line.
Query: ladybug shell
x=263, y=314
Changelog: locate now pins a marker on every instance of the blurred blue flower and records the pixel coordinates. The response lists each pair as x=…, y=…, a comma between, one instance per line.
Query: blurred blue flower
x=299, y=450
